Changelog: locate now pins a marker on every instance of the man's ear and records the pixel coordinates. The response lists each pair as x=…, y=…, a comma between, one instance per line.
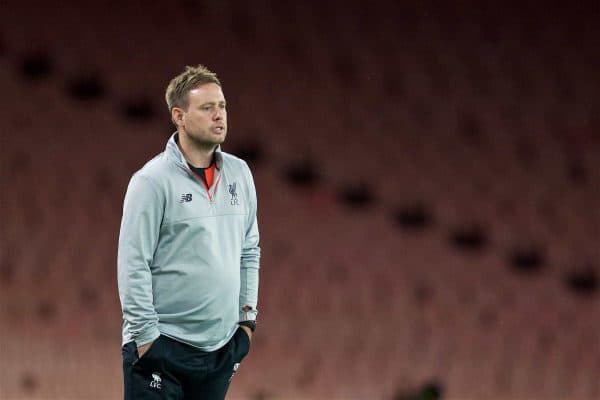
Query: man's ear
x=177, y=115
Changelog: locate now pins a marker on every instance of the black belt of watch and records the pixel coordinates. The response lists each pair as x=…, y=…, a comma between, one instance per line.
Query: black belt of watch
x=249, y=323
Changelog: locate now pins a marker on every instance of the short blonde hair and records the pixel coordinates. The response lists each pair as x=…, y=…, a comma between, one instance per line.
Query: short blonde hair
x=180, y=86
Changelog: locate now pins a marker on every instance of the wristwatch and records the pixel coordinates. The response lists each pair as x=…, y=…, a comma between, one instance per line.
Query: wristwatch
x=249, y=323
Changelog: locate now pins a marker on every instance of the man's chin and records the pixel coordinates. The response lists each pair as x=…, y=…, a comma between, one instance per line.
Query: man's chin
x=213, y=140
x=219, y=140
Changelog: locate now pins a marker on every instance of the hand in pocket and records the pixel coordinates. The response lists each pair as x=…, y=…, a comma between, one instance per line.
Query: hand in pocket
x=144, y=348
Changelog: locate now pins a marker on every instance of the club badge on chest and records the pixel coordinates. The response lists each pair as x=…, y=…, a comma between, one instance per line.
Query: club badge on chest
x=234, y=197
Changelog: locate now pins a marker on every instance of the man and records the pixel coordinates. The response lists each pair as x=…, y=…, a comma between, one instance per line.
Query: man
x=188, y=255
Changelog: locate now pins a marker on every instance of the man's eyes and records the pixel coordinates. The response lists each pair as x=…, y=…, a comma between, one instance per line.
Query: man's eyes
x=208, y=108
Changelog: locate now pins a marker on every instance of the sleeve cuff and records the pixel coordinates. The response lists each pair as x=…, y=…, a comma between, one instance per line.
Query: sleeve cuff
x=147, y=336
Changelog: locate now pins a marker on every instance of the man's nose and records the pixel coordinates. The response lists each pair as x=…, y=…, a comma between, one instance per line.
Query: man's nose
x=218, y=115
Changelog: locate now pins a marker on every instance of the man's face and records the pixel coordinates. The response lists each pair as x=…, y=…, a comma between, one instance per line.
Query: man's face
x=205, y=120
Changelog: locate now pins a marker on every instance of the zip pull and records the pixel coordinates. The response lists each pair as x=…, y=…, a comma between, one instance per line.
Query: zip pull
x=215, y=186
x=205, y=185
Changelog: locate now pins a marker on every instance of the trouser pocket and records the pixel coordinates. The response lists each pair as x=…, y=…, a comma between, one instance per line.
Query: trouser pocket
x=241, y=345
x=147, y=377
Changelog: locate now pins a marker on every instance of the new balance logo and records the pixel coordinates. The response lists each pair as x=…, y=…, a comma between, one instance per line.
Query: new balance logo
x=156, y=381
x=185, y=198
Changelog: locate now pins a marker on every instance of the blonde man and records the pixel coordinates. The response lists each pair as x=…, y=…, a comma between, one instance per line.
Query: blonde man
x=188, y=256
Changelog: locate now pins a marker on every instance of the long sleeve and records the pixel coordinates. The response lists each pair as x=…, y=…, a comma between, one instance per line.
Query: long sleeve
x=250, y=258
x=143, y=210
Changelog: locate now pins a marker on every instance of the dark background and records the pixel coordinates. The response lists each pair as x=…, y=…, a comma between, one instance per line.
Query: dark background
x=428, y=179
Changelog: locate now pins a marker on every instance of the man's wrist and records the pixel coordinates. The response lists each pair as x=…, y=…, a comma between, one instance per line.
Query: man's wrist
x=251, y=324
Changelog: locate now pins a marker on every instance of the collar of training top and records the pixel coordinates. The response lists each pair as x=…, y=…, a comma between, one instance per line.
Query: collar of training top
x=174, y=153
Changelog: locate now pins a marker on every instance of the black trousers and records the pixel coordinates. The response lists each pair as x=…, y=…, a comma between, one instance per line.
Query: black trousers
x=171, y=370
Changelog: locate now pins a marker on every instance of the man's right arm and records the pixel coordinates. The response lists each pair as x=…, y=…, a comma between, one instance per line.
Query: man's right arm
x=142, y=216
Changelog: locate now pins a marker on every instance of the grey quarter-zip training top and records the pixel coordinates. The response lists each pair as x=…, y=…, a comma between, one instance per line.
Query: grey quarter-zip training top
x=188, y=256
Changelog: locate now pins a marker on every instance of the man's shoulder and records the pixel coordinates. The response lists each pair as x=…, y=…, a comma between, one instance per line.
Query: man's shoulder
x=155, y=169
x=234, y=161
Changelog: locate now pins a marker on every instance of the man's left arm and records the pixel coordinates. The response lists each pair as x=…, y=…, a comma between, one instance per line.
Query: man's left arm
x=250, y=260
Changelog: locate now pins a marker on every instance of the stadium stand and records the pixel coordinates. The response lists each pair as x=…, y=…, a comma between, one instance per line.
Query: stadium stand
x=428, y=180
